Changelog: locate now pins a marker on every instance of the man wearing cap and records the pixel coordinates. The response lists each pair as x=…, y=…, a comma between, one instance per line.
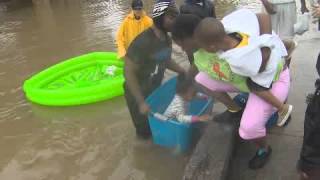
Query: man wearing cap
x=148, y=56
x=135, y=23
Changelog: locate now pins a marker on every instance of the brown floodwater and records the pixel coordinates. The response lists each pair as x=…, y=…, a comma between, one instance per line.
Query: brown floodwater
x=90, y=142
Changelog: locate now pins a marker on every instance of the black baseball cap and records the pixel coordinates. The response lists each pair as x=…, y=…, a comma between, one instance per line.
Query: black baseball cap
x=137, y=5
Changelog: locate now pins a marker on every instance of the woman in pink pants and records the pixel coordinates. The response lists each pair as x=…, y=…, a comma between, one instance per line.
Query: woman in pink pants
x=257, y=111
x=255, y=115
x=220, y=80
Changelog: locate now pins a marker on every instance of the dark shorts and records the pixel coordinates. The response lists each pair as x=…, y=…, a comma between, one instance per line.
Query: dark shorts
x=256, y=87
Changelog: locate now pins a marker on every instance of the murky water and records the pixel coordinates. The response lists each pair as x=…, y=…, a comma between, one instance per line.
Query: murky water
x=91, y=142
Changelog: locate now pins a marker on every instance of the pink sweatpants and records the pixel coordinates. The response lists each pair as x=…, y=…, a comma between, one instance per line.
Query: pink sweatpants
x=257, y=111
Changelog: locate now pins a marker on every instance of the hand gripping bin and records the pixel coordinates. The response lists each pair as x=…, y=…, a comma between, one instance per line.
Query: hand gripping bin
x=171, y=133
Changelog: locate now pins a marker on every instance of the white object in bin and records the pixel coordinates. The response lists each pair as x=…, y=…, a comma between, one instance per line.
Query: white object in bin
x=160, y=116
x=202, y=95
x=302, y=24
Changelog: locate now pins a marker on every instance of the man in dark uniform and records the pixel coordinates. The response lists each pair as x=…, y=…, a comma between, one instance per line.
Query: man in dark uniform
x=147, y=58
x=309, y=163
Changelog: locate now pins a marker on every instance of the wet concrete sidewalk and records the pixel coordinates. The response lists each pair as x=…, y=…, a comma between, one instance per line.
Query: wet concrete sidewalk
x=286, y=142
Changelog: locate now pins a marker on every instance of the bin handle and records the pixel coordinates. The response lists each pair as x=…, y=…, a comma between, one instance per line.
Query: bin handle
x=159, y=116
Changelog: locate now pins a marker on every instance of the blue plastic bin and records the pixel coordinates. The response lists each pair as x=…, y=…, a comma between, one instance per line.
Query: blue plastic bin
x=171, y=133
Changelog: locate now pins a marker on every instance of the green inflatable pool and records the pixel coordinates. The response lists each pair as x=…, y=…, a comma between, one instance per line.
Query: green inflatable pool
x=81, y=80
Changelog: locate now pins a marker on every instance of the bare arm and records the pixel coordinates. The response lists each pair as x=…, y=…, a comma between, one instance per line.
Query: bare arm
x=264, y=23
x=268, y=6
x=304, y=8
x=173, y=66
x=316, y=12
x=193, y=70
x=265, y=28
x=264, y=3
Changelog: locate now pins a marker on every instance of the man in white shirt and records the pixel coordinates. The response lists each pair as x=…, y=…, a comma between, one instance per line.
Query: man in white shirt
x=283, y=15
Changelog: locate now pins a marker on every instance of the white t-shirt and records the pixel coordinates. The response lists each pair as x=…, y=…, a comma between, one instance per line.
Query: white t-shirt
x=246, y=61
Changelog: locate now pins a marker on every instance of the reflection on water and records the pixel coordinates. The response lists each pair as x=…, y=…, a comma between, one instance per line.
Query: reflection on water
x=91, y=142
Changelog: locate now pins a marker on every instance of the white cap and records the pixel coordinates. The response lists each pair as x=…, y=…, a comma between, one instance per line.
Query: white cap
x=160, y=8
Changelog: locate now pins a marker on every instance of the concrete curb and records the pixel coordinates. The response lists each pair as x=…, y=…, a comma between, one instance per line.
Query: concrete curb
x=213, y=153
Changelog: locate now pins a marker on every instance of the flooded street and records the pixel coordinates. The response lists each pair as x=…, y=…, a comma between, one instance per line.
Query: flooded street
x=91, y=142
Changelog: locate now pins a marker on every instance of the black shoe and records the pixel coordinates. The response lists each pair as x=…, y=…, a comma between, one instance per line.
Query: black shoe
x=227, y=116
x=259, y=160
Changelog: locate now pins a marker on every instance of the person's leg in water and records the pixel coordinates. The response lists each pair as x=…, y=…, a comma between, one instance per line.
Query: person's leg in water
x=140, y=121
x=255, y=116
